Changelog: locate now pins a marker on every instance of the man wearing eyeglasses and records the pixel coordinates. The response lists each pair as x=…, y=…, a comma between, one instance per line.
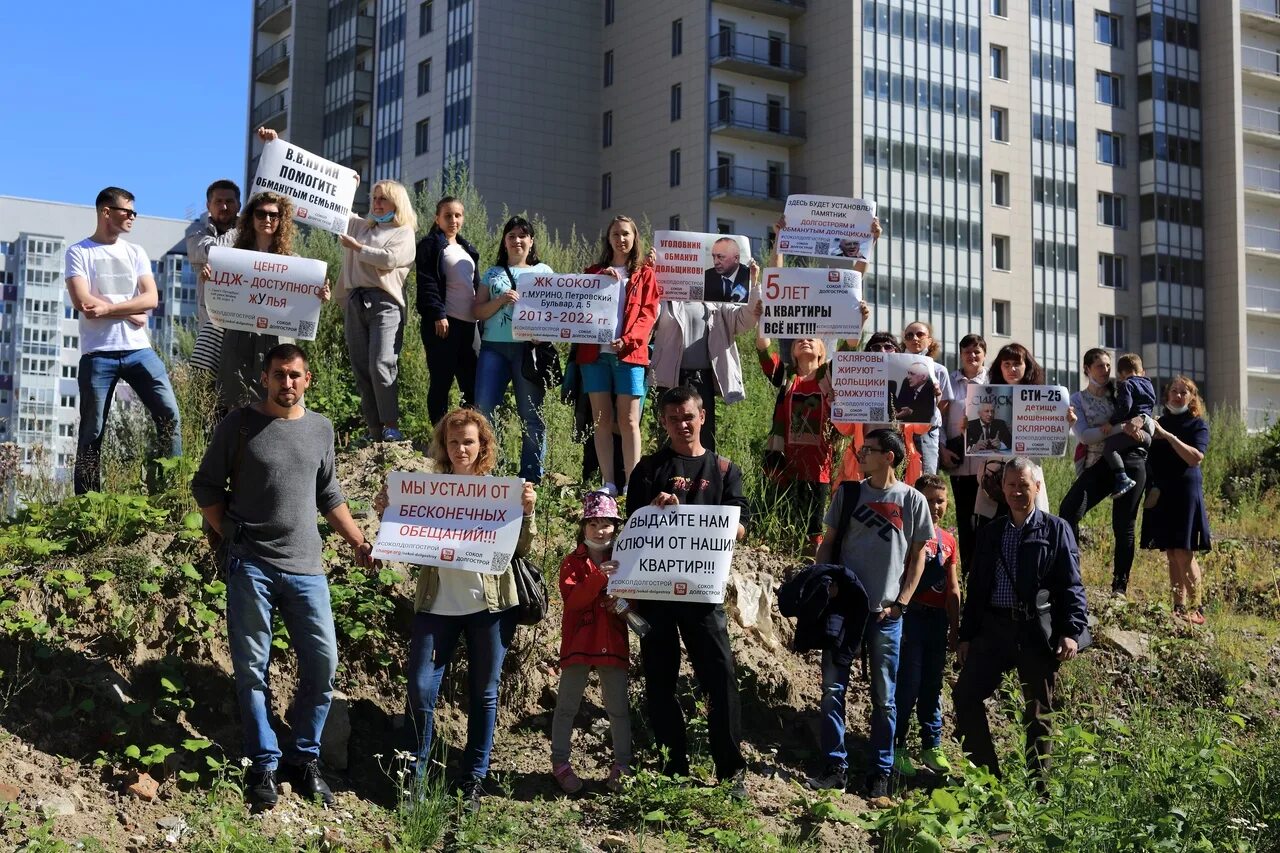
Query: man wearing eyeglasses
x=877, y=529
x=111, y=286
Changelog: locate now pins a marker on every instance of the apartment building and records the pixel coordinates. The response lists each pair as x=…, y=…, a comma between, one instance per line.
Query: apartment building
x=39, y=334
x=1040, y=166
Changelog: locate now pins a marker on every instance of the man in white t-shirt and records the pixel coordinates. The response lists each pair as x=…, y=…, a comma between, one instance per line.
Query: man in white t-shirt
x=112, y=288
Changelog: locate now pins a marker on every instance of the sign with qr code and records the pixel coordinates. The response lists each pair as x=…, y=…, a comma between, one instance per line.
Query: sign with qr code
x=322, y=191
x=804, y=302
x=1026, y=420
x=675, y=553
x=824, y=226
x=263, y=293
x=571, y=307
x=882, y=387
x=697, y=267
x=450, y=521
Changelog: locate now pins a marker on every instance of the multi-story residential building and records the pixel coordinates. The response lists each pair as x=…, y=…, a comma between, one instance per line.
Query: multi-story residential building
x=39, y=334
x=1040, y=167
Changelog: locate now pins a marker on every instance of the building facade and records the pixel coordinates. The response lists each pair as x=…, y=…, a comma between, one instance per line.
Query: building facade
x=1040, y=167
x=39, y=334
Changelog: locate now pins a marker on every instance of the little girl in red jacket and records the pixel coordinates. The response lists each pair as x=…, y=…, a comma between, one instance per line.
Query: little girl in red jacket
x=593, y=635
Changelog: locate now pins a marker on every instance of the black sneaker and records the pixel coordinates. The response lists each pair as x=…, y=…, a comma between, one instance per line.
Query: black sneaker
x=832, y=778
x=878, y=789
x=1122, y=485
x=311, y=783
x=738, y=786
x=472, y=791
x=260, y=789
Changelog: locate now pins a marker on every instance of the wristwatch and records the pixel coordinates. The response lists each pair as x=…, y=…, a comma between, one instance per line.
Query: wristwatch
x=902, y=608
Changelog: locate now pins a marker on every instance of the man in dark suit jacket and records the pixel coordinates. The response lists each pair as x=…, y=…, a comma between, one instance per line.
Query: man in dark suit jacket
x=987, y=433
x=1026, y=610
x=728, y=280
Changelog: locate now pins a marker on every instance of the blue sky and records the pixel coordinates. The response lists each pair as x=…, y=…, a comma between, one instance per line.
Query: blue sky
x=148, y=96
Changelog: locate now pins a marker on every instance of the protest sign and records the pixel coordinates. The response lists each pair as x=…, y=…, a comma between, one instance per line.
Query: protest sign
x=675, y=553
x=575, y=308
x=451, y=521
x=879, y=387
x=703, y=267
x=1016, y=420
x=811, y=303
x=824, y=226
x=322, y=192
x=263, y=293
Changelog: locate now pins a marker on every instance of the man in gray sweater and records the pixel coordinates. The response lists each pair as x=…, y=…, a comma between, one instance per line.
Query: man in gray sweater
x=278, y=460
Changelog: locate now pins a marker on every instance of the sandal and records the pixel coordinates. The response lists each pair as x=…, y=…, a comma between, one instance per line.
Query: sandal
x=566, y=778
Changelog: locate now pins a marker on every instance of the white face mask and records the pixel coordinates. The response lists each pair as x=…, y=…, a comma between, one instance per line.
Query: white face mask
x=1095, y=383
x=1176, y=410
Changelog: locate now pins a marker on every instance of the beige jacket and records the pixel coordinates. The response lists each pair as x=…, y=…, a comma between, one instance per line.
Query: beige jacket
x=382, y=264
x=725, y=321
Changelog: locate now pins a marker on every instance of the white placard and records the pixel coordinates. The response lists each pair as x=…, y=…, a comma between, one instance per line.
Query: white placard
x=263, y=293
x=675, y=553
x=988, y=412
x=570, y=307
x=1016, y=420
x=698, y=267
x=451, y=521
x=824, y=226
x=811, y=303
x=880, y=387
x=322, y=191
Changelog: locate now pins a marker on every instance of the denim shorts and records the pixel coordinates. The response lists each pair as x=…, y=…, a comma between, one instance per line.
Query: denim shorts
x=608, y=375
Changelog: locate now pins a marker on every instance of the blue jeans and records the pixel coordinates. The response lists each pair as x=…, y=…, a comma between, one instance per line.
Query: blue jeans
x=927, y=444
x=254, y=590
x=433, y=641
x=500, y=364
x=920, y=667
x=99, y=372
x=882, y=640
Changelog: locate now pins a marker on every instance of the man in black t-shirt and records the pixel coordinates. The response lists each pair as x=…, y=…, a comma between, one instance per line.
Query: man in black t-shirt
x=685, y=472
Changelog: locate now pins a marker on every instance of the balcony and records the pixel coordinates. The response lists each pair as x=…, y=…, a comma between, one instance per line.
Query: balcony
x=777, y=8
x=1260, y=299
x=759, y=56
x=1261, y=125
x=1262, y=239
x=272, y=16
x=1263, y=14
x=1260, y=64
x=366, y=28
x=363, y=87
x=272, y=113
x=772, y=124
x=1261, y=179
x=763, y=188
x=1265, y=361
x=272, y=65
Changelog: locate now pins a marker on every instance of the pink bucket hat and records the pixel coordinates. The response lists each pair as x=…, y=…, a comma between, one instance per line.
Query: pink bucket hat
x=600, y=505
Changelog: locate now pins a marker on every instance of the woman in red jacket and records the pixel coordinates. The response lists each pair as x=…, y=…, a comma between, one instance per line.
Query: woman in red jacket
x=593, y=635
x=619, y=368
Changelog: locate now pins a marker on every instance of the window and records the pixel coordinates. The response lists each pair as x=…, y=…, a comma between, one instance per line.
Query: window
x=725, y=226
x=676, y=104
x=422, y=137
x=1111, y=332
x=68, y=371
x=1111, y=271
x=424, y=18
x=1000, y=8
x=673, y=167
x=1111, y=210
x=424, y=77
x=1106, y=29
x=608, y=12
x=673, y=223
x=68, y=401
x=1000, y=189
x=1000, y=318
x=999, y=124
x=1108, y=88
x=1110, y=148
x=606, y=129
x=999, y=62
x=1000, y=252
x=677, y=37
x=606, y=190
x=608, y=67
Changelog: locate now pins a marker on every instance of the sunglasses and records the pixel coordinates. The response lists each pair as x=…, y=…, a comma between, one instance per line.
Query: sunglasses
x=266, y=215
x=882, y=348
x=129, y=212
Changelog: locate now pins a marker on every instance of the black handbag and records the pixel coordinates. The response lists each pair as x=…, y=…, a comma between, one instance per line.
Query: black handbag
x=531, y=591
x=540, y=361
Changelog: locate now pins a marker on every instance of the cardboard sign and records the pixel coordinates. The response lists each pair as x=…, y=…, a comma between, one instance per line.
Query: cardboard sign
x=574, y=308
x=322, y=191
x=263, y=293
x=882, y=387
x=451, y=521
x=1017, y=420
x=811, y=303
x=698, y=267
x=675, y=553
x=824, y=226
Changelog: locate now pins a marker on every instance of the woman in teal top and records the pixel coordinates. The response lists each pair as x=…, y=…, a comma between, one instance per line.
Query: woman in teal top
x=501, y=355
